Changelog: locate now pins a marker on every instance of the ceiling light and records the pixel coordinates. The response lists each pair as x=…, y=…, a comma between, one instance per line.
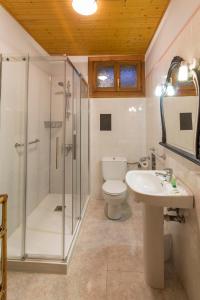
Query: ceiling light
x=183, y=72
x=85, y=7
x=102, y=77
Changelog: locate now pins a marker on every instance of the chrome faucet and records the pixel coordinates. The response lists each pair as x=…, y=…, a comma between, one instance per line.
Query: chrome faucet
x=169, y=172
x=167, y=175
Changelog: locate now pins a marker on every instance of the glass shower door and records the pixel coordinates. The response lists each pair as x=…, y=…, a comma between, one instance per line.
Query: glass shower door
x=45, y=159
x=13, y=108
x=68, y=158
x=76, y=133
x=84, y=143
x=72, y=154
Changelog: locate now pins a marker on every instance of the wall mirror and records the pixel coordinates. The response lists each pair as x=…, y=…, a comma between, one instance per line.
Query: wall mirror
x=179, y=107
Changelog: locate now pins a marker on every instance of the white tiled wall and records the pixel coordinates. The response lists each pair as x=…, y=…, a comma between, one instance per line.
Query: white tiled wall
x=179, y=35
x=127, y=137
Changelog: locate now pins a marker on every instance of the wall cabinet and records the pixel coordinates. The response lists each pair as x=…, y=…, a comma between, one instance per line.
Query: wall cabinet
x=116, y=76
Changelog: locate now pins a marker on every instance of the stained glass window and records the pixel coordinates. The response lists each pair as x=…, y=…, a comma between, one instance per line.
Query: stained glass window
x=128, y=76
x=105, y=76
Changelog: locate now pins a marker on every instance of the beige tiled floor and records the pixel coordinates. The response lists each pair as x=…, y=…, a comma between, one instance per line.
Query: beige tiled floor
x=107, y=264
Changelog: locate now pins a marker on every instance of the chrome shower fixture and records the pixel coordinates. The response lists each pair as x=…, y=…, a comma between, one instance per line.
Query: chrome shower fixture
x=67, y=94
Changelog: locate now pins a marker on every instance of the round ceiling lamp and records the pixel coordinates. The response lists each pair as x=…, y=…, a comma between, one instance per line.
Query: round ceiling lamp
x=85, y=7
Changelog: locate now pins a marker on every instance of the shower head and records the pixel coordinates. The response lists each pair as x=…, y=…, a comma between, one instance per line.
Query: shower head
x=67, y=95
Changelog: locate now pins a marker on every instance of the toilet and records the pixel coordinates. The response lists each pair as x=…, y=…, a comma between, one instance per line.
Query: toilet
x=114, y=188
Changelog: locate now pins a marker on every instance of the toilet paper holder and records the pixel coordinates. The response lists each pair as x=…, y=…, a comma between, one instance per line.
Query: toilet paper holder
x=144, y=162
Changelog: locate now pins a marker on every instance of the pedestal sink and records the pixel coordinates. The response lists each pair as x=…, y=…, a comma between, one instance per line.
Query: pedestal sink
x=155, y=193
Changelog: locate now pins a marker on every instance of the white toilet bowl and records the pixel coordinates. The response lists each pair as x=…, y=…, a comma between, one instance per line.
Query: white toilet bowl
x=114, y=194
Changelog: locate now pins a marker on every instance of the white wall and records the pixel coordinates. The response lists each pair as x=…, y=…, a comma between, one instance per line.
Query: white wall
x=14, y=39
x=127, y=137
x=177, y=35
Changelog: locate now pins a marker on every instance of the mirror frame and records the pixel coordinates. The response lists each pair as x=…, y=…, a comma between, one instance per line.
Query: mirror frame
x=195, y=158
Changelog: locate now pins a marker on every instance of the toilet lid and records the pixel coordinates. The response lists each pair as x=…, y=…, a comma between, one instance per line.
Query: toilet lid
x=114, y=187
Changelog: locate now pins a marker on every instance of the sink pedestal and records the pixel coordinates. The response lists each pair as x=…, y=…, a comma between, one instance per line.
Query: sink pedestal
x=154, y=246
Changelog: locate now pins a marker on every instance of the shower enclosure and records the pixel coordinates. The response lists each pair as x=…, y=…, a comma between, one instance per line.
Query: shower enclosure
x=44, y=154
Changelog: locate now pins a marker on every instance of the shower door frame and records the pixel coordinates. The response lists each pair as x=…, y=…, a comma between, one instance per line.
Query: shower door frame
x=24, y=214
x=12, y=59
x=1, y=60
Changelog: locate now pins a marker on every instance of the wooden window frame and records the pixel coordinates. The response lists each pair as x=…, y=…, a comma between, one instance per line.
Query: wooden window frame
x=116, y=91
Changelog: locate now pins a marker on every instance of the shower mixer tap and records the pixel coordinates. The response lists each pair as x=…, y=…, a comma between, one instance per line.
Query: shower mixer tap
x=67, y=148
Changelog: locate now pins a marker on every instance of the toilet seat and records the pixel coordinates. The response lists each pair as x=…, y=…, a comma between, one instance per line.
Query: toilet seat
x=114, y=187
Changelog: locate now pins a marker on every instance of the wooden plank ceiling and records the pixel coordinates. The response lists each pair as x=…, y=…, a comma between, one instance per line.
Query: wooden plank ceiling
x=118, y=27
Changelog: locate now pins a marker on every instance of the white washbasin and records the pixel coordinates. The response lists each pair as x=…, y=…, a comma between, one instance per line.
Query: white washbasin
x=152, y=189
x=156, y=193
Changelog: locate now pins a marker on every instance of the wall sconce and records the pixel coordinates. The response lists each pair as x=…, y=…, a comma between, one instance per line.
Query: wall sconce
x=183, y=72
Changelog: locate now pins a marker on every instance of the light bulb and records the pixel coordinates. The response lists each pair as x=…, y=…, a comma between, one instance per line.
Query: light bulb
x=159, y=90
x=85, y=7
x=170, y=90
x=183, y=72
